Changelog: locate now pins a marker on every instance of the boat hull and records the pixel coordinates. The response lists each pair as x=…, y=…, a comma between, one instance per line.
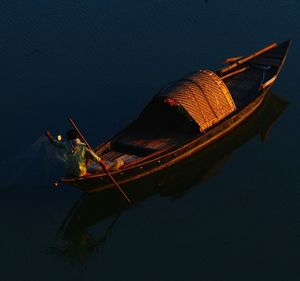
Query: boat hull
x=98, y=183
x=238, y=78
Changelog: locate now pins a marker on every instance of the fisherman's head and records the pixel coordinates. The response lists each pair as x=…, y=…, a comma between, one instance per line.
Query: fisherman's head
x=72, y=134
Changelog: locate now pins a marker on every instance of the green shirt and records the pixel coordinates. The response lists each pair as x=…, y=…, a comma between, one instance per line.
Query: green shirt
x=76, y=156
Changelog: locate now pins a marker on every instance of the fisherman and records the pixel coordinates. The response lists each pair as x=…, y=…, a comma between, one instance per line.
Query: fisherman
x=78, y=154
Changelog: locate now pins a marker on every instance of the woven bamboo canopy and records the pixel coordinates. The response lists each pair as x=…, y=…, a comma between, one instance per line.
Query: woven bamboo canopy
x=203, y=95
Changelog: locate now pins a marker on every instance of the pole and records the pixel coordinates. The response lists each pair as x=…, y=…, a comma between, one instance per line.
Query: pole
x=105, y=170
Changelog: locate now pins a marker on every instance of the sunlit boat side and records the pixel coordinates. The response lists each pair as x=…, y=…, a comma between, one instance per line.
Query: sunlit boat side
x=186, y=117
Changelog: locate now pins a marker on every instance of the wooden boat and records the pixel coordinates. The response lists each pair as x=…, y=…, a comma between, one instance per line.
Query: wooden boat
x=187, y=116
x=86, y=227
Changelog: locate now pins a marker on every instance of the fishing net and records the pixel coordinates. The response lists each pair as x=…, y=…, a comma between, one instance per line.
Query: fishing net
x=39, y=165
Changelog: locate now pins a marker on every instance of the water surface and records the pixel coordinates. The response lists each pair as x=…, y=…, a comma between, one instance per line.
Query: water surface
x=100, y=62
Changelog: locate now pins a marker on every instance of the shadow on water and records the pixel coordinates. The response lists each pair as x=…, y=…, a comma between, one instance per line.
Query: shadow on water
x=106, y=207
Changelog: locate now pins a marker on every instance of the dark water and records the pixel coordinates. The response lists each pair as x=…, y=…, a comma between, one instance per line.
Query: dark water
x=234, y=215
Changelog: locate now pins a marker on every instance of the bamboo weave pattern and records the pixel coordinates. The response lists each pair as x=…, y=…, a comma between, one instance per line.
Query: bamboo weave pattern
x=203, y=95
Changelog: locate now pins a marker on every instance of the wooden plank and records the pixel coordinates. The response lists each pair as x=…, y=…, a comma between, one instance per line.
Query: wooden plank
x=127, y=148
x=235, y=72
x=245, y=59
x=111, y=155
x=231, y=60
x=270, y=81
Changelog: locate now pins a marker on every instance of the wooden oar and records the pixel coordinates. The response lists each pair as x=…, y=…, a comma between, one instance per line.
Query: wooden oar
x=104, y=168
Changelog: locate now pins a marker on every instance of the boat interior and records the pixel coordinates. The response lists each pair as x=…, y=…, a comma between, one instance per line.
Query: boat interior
x=254, y=75
x=158, y=128
x=162, y=126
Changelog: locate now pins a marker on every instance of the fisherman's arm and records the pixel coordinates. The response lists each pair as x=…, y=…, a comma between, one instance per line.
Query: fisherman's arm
x=53, y=141
x=92, y=155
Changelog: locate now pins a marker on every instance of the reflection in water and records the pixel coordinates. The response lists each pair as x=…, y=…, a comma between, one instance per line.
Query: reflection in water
x=106, y=207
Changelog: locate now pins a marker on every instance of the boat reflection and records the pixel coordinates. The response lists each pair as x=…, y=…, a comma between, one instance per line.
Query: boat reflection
x=105, y=208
